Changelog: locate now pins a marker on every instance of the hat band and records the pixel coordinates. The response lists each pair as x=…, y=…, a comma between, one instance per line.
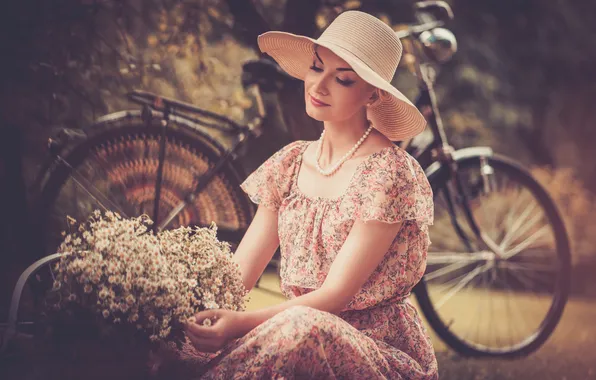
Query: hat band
x=354, y=52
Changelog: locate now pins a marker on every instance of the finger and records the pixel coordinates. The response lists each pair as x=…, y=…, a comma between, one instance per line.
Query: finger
x=203, y=345
x=201, y=331
x=211, y=314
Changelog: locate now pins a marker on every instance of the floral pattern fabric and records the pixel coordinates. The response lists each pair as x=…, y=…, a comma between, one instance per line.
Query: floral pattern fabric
x=379, y=334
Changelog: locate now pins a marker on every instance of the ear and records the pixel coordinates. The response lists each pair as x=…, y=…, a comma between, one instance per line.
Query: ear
x=374, y=97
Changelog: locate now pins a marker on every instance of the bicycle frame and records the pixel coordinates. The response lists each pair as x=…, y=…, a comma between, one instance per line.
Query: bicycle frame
x=438, y=155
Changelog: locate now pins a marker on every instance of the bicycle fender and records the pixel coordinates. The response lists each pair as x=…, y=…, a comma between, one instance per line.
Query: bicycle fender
x=113, y=121
x=459, y=155
x=11, y=329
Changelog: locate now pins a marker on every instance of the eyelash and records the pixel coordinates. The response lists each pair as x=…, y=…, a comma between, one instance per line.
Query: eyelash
x=345, y=83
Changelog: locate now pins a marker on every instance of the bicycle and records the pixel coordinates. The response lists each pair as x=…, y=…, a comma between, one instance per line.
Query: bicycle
x=161, y=158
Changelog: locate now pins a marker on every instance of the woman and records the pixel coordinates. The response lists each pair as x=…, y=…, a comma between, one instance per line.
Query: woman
x=350, y=213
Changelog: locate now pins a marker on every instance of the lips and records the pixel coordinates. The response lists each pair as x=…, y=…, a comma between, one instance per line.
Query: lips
x=316, y=102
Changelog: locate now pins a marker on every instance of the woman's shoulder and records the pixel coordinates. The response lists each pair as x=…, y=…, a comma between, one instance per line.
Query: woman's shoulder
x=291, y=150
x=392, y=163
x=285, y=159
x=393, y=187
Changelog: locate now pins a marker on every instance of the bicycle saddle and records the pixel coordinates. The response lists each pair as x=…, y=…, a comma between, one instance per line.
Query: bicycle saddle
x=266, y=74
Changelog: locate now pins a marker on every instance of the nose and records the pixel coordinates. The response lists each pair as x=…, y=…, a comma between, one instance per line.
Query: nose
x=319, y=85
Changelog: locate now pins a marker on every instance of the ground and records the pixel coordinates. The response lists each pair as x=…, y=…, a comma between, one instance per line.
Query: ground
x=570, y=353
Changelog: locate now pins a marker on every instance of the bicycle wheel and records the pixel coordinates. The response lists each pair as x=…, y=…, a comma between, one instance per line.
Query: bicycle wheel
x=116, y=169
x=503, y=294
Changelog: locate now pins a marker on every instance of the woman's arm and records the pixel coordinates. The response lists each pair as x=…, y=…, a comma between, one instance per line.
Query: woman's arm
x=359, y=256
x=257, y=246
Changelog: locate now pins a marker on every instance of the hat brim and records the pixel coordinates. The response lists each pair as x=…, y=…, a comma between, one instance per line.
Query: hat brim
x=394, y=116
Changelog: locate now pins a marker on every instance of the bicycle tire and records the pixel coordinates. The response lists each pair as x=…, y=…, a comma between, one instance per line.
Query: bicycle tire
x=444, y=329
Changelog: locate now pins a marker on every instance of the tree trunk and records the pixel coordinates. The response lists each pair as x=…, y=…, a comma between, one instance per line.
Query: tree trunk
x=248, y=22
x=299, y=18
x=15, y=251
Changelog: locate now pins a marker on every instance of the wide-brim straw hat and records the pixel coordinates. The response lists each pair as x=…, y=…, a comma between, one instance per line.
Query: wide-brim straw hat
x=373, y=51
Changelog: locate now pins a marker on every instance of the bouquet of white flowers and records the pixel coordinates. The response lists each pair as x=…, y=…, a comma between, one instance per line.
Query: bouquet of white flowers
x=127, y=277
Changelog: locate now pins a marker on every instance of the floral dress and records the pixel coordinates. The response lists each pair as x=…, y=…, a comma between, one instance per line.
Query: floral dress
x=379, y=334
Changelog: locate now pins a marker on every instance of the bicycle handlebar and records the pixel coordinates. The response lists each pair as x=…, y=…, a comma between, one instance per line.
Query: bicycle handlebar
x=416, y=30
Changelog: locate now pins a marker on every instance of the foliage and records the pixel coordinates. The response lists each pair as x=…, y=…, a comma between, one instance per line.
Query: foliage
x=83, y=56
x=578, y=207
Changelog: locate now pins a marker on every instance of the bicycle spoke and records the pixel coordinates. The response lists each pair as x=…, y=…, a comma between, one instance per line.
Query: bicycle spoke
x=491, y=311
x=445, y=270
x=470, y=295
x=107, y=169
x=94, y=193
x=526, y=243
x=517, y=224
x=469, y=277
x=522, y=230
x=529, y=266
x=485, y=287
x=457, y=257
x=508, y=308
x=508, y=220
x=513, y=336
x=531, y=275
x=527, y=285
x=490, y=210
x=514, y=234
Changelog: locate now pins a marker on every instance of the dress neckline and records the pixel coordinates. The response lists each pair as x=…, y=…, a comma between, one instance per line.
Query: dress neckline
x=350, y=183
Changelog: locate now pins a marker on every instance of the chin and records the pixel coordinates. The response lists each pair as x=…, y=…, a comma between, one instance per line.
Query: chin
x=317, y=114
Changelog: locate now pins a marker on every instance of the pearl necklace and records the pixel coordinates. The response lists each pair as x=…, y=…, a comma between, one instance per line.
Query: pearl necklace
x=346, y=156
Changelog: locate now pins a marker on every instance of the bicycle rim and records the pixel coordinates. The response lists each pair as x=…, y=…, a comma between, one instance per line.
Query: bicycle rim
x=483, y=304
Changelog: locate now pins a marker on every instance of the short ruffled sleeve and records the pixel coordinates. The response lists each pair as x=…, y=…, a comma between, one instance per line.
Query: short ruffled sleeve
x=393, y=188
x=269, y=183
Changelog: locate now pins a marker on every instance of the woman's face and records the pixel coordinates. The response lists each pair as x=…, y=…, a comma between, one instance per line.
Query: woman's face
x=332, y=90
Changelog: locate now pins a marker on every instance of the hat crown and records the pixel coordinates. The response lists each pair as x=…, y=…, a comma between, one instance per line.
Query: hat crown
x=369, y=39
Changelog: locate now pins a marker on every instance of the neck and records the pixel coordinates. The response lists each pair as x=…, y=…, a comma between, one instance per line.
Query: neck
x=340, y=136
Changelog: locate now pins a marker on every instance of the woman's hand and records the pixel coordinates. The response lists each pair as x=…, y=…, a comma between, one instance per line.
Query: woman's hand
x=226, y=326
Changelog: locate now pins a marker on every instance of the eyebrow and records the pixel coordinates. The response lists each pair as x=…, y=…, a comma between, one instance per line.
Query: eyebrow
x=338, y=69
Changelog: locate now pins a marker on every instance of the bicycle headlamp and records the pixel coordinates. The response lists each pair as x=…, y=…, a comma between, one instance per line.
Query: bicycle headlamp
x=439, y=44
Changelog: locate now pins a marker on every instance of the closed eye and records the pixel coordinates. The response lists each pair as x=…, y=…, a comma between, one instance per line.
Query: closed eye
x=346, y=83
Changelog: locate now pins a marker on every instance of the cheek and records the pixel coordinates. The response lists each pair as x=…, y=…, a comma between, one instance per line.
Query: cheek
x=308, y=83
x=308, y=80
x=348, y=100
